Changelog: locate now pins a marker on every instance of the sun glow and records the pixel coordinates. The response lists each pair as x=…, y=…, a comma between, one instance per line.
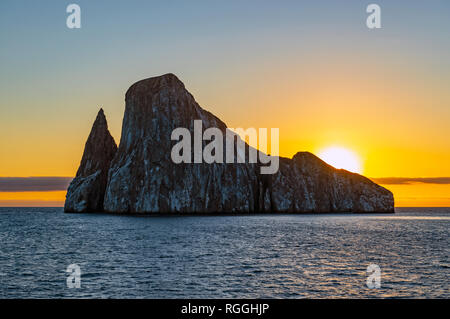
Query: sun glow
x=340, y=157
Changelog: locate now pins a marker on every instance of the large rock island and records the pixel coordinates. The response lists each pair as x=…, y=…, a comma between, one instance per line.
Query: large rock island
x=140, y=176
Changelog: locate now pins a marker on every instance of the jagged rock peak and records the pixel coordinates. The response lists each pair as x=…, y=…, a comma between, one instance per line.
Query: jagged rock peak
x=100, y=120
x=87, y=189
x=100, y=147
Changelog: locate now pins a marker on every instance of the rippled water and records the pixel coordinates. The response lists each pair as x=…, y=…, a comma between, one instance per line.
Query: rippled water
x=263, y=256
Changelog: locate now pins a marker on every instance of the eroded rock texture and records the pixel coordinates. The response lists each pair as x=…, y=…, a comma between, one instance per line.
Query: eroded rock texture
x=142, y=178
x=305, y=183
x=87, y=189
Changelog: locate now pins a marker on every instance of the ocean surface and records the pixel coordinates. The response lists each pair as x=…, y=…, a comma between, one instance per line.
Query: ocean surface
x=259, y=256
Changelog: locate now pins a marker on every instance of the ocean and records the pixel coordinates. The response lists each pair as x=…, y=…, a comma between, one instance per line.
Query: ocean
x=255, y=256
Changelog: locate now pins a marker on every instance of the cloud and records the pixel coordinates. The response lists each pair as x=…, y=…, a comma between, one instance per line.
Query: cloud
x=411, y=180
x=49, y=183
x=34, y=184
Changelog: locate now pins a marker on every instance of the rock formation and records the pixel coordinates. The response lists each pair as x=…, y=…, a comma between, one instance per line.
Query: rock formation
x=308, y=184
x=142, y=178
x=87, y=189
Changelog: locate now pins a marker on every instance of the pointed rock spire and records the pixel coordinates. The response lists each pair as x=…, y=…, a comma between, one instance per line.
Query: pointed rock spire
x=87, y=189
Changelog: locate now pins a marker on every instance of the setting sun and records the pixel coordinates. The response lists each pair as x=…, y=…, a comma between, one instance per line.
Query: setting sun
x=340, y=157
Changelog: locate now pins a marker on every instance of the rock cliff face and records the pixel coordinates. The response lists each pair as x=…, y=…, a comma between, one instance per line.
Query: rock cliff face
x=87, y=189
x=142, y=178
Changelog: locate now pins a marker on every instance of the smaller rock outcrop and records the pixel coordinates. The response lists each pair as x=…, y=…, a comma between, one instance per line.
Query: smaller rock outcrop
x=87, y=189
x=305, y=183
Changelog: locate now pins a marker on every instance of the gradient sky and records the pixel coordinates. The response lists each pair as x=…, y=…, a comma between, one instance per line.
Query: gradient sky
x=311, y=68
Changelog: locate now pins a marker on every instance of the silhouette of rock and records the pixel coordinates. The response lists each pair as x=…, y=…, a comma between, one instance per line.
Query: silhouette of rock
x=142, y=178
x=308, y=184
x=87, y=189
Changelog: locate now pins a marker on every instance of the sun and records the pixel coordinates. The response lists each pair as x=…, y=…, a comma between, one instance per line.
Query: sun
x=340, y=157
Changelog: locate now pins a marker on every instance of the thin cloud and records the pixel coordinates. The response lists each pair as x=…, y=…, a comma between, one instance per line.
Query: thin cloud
x=411, y=180
x=34, y=184
x=49, y=183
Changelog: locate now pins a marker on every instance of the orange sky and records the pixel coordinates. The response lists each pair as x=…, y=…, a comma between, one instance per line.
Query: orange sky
x=385, y=122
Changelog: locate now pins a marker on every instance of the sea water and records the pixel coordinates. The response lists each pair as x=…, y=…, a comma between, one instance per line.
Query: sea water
x=255, y=256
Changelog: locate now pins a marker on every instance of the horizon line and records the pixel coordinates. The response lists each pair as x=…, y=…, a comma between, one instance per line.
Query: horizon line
x=61, y=183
